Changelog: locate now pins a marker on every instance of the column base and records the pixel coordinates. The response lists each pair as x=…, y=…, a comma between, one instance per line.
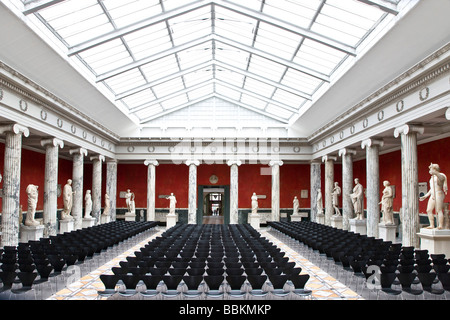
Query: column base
x=320, y=218
x=435, y=241
x=65, y=226
x=88, y=222
x=105, y=219
x=336, y=222
x=387, y=232
x=254, y=221
x=28, y=233
x=358, y=226
x=171, y=220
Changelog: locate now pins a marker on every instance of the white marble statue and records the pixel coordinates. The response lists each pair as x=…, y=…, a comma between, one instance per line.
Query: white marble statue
x=387, y=202
x=254, y=203
x=128, y=195
x=295, y=205
x=32, y=192
x=438, y=191
x=68, y=201
x=88, y=204
x=358, y=200
x=107, y=209
x=132, y=204
x=335, y=198
x=172, y=204
x=319, y=202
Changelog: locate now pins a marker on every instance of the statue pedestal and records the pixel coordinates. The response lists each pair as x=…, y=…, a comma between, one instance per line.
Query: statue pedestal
x=387, y=232
x=28, y=233
x=321, y=218
x=66, y=226
x=130, y=216
x=88, y=222
x=105, y=219
x=299, y=216
x=435, y=241
x=336, y=222
x=171, y=220
x=254, y=220
x=358, y=226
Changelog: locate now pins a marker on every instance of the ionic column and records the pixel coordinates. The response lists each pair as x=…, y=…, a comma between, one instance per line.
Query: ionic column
x=315, y=184
x=329, y=185
x=372, y=147
x=234, y=192
x=97, y=186
x=151, y=190
x=347, y=186
x=78, y=155
x=275, y=189
x=410, y=184
x=11, y=183
x=111, y=185
x=192, y=208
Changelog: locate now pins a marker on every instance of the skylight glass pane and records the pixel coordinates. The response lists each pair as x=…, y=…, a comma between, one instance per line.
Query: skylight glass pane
x=194, y=78
x=195, y=55
x=297, y=80
x=299, y=13
x=174, y=102
x=251, y=4
x=254, y=102
x=276, y=41
x=234, y=26
x=235, y=57
x=190, y=26
x=160, y=68
x=168, y=87
x=139, y=98
x=148, y=41
x=126, y=12
x=266, y=68
x=258, y=87
x=279, y=112
x=149, y=111
x=173, y=4
x=201, y=92
x=125, y=81
x=287, y=98
x=229, y=76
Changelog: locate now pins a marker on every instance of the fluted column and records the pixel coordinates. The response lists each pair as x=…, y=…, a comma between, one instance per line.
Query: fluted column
x=275, y=189
x=329, y=185
x=315, y=184
x=111, y=185
x=347, y=186
x=192, y=201
x=372, y=147
x=234, y=191
x=97, y=186
x=410, y=184
x=151, y=191
x=78, y=155
x=11, y=182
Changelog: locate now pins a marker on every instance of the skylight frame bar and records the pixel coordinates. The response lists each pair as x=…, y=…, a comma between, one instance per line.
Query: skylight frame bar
x=382, y=5
x=31, y=7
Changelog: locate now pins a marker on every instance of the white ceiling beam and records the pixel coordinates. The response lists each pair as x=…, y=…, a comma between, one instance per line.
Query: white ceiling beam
x=382, y=5
x=34, y=6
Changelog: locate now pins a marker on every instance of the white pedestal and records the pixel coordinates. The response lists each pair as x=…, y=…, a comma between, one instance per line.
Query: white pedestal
x=130, y=216
x=171, y=220
x=435, y=241
x=105, y=219
x=358, y=226
x=387, y=232
x=336, y=222
x=254, y=220
x=321, y=218
x=296, y=217
x=28, y=233
x=65, y=226
x=88, y=222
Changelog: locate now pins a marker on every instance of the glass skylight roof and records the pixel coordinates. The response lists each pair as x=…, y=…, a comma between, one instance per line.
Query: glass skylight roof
x=158, y=56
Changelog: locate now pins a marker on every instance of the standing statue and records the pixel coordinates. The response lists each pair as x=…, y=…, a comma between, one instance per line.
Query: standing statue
x=32, y=192
x=132, y=205
x=87, y=204
x=319, y=202
x=107, y=209
x=172, y=204
x=254, y=203
x=68, y=201
x=335, y=200
x=358, y=200
x=438, y=191
x=387, y=202
x=295, y=205
x=128, y=195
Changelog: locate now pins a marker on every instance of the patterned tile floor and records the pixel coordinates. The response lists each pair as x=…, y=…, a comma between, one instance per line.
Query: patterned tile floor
x=323, y=286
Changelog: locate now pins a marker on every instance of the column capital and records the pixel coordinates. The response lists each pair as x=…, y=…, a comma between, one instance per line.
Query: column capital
x=275, y=162
x=151, y=162
x=408, y=128
x=98, y=157
x=447, y=113
x=372, y=142
x=111, y=160
x=346, y=151
x=15, y=128
x=81, y=151
x=52, y=141
x=236, y=162
x=327, y=158
x=194, y=162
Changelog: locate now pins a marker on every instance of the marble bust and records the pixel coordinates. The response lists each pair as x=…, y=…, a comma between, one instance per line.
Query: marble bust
x=68, y=201
x=107, y=209
x=387, y=201
x=438, y=191
x=358, y=200
x=335, y=198
x=87, y=204
x=172, y=204
x=254, y=199
x=32, y=192
x=319, y=202
x=295, y=205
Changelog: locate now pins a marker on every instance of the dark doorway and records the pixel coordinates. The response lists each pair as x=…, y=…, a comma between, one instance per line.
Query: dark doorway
x=213, y=205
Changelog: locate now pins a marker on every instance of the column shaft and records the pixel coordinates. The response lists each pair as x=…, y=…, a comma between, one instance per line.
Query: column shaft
x=151, y=189
x=315, y=184
x=234, y=191
x=275, y=189
x=329, y=184
x=373, y=189
x=111, y=186
x=347, y=186
x=77, y=186
x=97, y=187
x=192, y=200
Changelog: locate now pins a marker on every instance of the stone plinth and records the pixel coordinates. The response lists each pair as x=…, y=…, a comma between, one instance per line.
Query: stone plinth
x=387, y=232
x=171, y=220
x=435, y=241
x=105, y=219
x=320, y=218
x=298, y=216
x=130, y=216
x=88, y=222
x=28, y=233
x=358, y=226
x=336, y=222
x=66, y=226
x=254, y=220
